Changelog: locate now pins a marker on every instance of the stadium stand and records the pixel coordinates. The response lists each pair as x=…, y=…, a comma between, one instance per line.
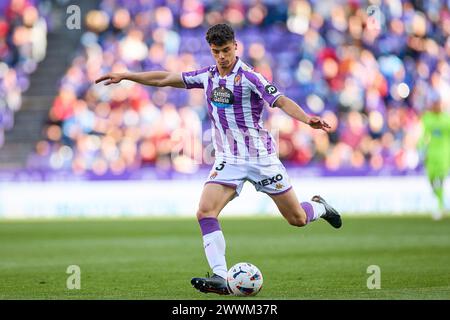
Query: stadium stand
x=35, y=50
x=370, y=83
x=23, y=42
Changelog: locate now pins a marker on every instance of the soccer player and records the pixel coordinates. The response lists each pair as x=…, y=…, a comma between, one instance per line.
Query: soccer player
x=436, y=142
x=244, y=150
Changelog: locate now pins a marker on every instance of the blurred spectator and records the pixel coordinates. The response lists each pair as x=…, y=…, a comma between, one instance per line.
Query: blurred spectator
x=23, y=42
x=370, y=81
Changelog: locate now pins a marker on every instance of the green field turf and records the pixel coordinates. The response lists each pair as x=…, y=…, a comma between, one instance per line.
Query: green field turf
x=155, y=259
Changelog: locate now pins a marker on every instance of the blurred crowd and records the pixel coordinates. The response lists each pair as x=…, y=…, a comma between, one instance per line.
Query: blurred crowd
x=369, y=68
x=23, y=43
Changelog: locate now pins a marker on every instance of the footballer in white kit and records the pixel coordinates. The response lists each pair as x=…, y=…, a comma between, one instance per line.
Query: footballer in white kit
x=235, y=97
x=245, y=150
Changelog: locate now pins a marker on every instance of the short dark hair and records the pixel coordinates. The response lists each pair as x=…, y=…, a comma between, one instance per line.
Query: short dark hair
x=219, y=34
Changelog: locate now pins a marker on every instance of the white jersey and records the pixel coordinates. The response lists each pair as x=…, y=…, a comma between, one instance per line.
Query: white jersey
x=235, y=106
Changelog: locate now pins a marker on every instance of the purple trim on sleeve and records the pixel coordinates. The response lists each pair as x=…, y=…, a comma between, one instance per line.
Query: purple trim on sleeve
x=184, y=79
x=194, y=76
x=276, y=98
x=209, y=225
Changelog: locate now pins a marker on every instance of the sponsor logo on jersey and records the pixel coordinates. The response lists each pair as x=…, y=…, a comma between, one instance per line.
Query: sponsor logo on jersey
x=271, y=89
x=222, y=97
x=269, y=181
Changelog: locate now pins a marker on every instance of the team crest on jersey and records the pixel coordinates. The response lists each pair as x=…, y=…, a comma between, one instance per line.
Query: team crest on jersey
x=245, y=67
x=237, y=80
x=222, y=97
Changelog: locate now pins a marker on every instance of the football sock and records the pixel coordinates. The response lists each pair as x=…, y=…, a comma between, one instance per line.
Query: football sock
x=314, y=210
x=214, y=245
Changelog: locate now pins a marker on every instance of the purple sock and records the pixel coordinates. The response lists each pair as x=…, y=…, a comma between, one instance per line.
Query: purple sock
x=309, y=211
x=209, y=225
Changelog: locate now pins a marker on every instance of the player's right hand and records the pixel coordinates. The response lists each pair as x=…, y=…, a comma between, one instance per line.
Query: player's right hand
x=318, y=123
x=111, y=78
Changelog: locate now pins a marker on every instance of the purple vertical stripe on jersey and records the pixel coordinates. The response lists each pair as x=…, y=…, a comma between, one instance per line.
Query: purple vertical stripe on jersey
x=269, y=143
x=257, y=105
x=224, y=123
x=247, y=142
x=217, y=135
x=239, y=111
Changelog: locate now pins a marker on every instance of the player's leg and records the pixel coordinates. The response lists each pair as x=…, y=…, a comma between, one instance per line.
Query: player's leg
x=301, y=214
x=438, y=188
x=436, y=175
x=437, y=185
x=213, y=199
x=270, y=176
x=225, y=183
x=290, y=208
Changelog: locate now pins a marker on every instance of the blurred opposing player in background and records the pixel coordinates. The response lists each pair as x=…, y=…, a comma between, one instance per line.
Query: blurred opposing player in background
x=436, y=145
x=244, y=150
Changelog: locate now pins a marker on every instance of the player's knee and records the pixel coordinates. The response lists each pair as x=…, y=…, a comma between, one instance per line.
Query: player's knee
x=205, y=212
x=297, y=220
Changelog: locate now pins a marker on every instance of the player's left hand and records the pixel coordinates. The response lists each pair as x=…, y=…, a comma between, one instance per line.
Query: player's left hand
x=318, y=123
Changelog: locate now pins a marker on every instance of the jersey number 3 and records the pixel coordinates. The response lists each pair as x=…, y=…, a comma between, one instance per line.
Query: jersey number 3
x=221, y=166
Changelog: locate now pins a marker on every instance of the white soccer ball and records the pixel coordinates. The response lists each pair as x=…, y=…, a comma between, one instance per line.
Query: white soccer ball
x=244, y=279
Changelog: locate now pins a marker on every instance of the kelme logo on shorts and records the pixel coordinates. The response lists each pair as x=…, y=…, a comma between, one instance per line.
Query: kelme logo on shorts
x=269, y=181
x=279, y=186
x=222, y=97
x=271, y=89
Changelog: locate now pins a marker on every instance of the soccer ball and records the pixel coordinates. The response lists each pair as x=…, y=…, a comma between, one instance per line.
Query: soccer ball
x=244, y=279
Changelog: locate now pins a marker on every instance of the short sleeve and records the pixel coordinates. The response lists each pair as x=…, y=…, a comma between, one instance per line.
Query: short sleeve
x=263, y=88
x=195, y=79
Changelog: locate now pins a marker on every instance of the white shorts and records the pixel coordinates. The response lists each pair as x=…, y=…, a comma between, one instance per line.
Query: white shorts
x=268, y=175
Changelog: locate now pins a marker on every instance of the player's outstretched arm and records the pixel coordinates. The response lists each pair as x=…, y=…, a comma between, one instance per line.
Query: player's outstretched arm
x=296, y=112
x=149, y=78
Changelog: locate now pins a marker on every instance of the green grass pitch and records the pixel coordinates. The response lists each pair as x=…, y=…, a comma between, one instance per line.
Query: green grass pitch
x=155, y=258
